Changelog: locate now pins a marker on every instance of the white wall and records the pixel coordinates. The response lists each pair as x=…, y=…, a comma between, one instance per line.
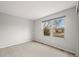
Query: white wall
x=77, y=46
x=14, y=30
x=71, y=31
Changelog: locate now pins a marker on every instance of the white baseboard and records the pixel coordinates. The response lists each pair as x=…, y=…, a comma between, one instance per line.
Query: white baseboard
x=59, y=47
x=12, y=44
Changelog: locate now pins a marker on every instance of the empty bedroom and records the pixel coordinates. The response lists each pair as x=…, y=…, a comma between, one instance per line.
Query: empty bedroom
x=39, y=29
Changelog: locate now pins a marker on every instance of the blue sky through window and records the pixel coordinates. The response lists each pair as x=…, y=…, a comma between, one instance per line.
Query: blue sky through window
x=61, y=22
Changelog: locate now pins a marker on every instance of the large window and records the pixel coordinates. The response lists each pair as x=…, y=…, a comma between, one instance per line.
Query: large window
x=53, y=27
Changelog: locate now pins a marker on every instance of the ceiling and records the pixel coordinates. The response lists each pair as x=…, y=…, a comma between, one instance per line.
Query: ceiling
x=34, y=9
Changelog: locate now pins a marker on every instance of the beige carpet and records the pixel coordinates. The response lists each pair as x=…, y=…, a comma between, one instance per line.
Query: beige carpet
x=33, y=49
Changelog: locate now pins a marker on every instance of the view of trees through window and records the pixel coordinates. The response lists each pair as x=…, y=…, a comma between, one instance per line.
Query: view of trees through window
x=54, y=27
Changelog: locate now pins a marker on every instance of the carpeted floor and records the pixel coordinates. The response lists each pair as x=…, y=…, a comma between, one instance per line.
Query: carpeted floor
x=33, y=49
